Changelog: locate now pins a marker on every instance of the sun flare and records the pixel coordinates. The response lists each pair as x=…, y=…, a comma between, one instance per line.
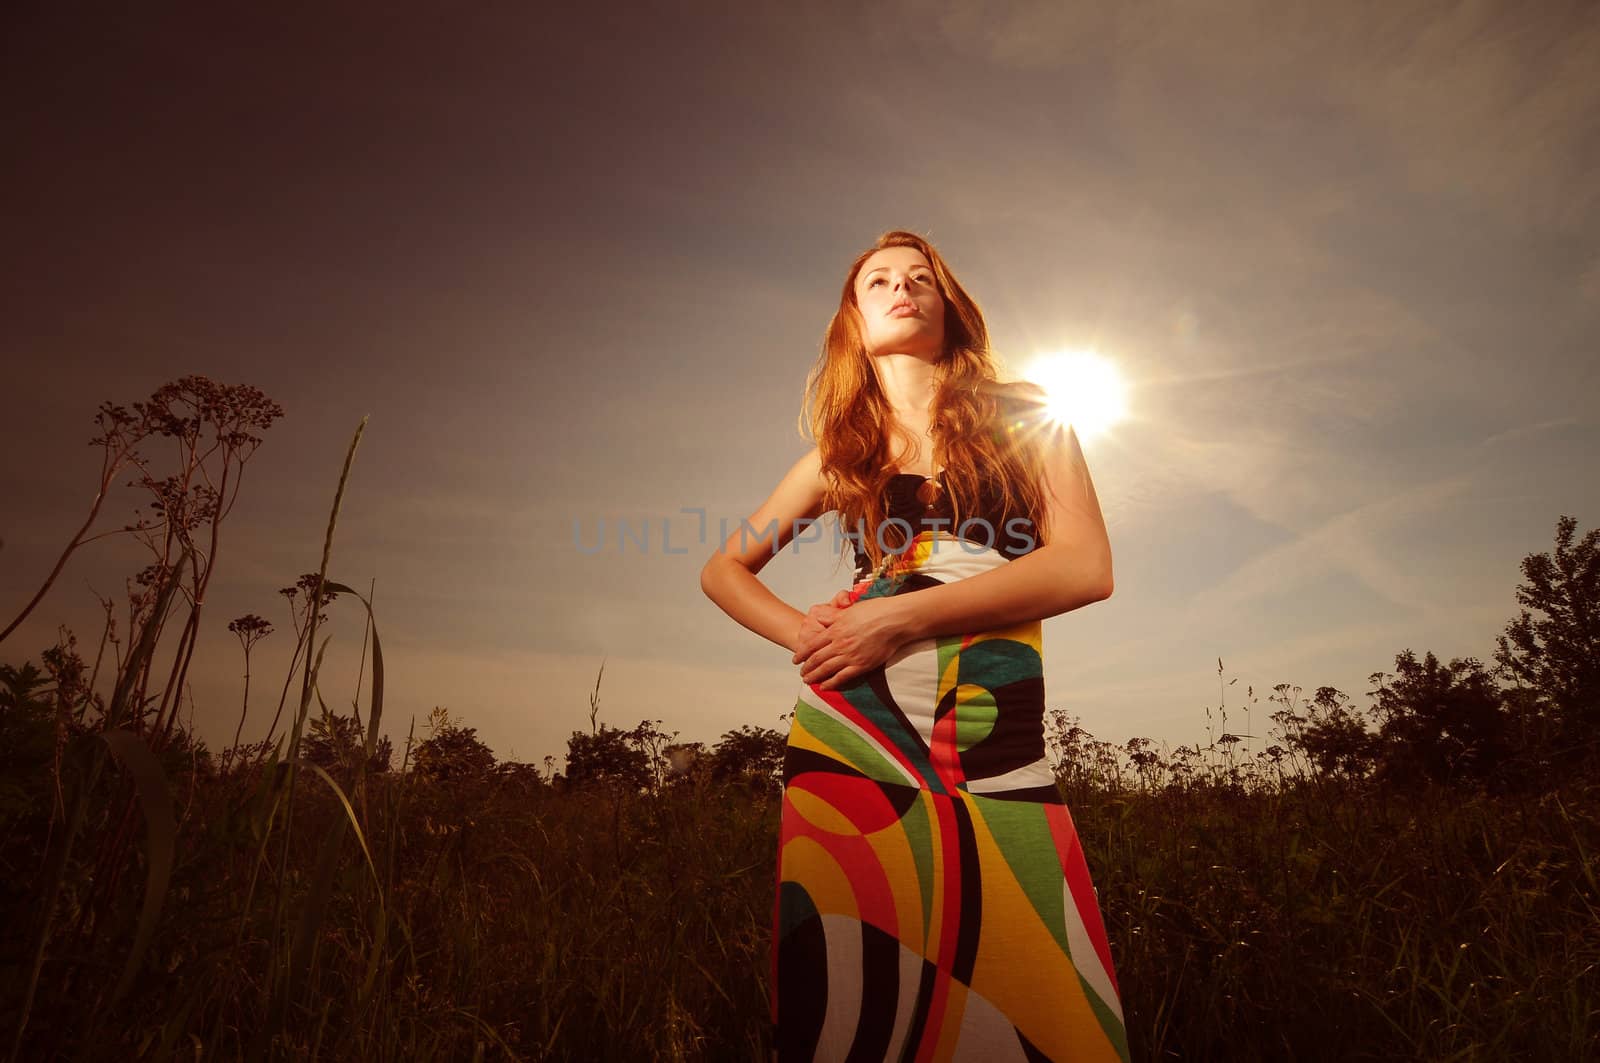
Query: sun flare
x=1083, y=389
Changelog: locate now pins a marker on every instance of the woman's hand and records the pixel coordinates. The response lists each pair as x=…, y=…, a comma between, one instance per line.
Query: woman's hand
x=857, y=640
x=819, y=616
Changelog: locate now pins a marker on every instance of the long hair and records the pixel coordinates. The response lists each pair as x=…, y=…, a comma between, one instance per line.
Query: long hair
x=985, y=431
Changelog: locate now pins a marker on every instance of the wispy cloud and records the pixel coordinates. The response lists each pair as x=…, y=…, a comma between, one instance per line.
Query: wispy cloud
x=1521, y=431
x=1357, y=542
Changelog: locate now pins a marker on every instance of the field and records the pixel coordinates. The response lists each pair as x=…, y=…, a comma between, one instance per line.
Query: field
x=516, y=919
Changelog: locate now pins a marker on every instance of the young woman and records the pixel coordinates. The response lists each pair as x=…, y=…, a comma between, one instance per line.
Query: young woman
x=932, y=897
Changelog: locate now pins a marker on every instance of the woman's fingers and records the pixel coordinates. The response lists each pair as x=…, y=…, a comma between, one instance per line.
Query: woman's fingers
x=816, y=620
x=809, y=644
x=841, y=677
x=823, y=651
x=821, y=666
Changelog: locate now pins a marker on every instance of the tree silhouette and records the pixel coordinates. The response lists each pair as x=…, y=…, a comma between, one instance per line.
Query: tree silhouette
x=749, y=753
x=451, y=751
x=653, y=743
x=1330, y=734
x=685, y=760
x=28, y=736
x=1556, y=654
x=520, y=774
x=21, y=693
x=338, y=743
x=1444, y=723
x=609, y=755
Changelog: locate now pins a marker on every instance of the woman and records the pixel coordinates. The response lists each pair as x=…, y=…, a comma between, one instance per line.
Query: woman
x=933, y=900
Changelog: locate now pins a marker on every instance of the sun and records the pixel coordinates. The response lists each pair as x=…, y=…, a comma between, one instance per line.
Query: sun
x=1083, y=389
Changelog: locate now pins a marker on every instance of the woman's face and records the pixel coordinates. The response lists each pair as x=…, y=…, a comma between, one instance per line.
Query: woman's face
x=901, y=309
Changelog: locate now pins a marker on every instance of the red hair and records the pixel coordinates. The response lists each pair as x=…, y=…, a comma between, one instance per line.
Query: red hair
x=984, y=429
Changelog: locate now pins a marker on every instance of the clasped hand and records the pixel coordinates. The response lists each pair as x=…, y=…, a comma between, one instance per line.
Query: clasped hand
x=840, y=639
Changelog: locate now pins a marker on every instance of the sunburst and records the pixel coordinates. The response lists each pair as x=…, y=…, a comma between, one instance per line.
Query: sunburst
x=1083, y=389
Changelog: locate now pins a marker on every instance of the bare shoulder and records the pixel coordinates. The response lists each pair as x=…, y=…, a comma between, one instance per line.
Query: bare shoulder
x=799, y=492
x=1062, y=467
x=807, y=477
x=811, y=462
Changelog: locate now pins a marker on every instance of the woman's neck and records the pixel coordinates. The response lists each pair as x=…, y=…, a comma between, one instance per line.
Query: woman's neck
x=908, y=382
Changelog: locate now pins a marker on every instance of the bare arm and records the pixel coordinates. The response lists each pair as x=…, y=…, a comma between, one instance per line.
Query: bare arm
x=729, y=577
x=1069, y=571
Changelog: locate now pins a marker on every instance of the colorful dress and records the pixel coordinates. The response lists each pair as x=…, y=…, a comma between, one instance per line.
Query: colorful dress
x=933, y=902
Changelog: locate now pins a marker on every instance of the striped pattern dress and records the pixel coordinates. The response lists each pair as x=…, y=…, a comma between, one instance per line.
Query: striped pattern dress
x=933, y=902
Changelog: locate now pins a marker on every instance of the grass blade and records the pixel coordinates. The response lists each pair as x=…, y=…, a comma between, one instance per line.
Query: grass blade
x=161, y=832
x=375, y=710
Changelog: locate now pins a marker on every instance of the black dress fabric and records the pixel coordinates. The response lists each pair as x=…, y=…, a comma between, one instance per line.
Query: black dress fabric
x=986, y=524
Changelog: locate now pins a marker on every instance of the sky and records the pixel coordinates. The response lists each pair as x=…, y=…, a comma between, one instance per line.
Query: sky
x=574, y=269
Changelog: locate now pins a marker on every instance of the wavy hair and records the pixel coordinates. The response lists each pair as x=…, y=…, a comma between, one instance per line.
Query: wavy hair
x=985, y=430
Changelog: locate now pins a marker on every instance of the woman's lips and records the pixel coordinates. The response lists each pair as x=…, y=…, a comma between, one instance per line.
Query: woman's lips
x=903, y=311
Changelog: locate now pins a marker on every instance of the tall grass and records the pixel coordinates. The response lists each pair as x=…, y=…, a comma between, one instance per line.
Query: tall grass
x=1339, y=921
x=523, y=921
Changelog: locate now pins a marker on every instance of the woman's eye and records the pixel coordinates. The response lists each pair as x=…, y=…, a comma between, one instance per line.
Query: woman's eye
x=874, y=283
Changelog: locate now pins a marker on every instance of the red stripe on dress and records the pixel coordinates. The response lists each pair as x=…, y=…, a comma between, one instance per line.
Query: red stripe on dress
x=1077, y=875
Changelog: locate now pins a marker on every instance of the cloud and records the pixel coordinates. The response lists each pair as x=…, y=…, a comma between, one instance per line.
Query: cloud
x=1352, y=542
x=1521, y=431
x=1488, y=105
x=1021, y=35
x=1493, y=107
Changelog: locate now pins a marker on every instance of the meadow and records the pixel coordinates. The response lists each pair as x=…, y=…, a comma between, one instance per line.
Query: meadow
x=1417, y=879
x=501, y=917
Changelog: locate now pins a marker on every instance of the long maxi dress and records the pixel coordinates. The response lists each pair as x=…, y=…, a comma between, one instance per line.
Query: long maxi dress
x=933, y=902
